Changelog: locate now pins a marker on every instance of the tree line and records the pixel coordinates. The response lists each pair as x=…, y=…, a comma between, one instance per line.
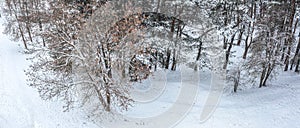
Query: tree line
x=80, y=58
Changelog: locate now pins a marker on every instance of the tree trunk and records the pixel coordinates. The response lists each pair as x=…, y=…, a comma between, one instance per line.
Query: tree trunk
x=290, y=40
x=237, y=81
x=228, y=52
x=295, y=58
x=287, y=59
x=240, y=38
x=283, y=53
x=23, y=38
x=246, y=48
x=108, y=100
x=156, y=60
x=225, y=43
x=297, y=65
x=268, y=73
x=168, y=59
x=21, y=31
x=235, y=85
x=247, y=45
x=199, y=51
x=27, y=22
x=174, y=60
x=262, y=77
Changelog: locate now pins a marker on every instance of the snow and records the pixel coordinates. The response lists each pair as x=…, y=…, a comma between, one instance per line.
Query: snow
x=20, y=105
x=274, y=106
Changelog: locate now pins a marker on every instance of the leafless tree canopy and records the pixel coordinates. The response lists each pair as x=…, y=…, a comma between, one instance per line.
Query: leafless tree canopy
x=89, y=52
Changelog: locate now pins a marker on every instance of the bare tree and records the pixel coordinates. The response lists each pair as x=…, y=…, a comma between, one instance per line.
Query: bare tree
x=86, y=61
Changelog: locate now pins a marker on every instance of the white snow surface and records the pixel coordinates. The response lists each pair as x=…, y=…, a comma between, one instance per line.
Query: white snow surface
x=20, y=105
x=275, y=106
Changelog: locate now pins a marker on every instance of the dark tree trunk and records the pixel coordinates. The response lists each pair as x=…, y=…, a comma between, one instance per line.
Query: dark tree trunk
x=268, y=73
x=262, y=77
x=287, y=59
x=290, y=39
x=283, y=53
x=225, y=43
x=295, y=58
x=248, y=44
x=228, y=52
x=108, y=100
x=156, y=61
x=246, y=48
x=29, y=33
x=236, y=81
x=240, y=38
x=297, y=65
x=21, y=32
x=27, y=22
x=168, y=59
x=235, y=85
x=174, y=61
x=23, y=38
x=199, y=51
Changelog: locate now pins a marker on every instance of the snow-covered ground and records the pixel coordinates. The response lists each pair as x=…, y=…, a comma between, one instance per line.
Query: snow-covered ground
x=276, y=106
x=20, y=105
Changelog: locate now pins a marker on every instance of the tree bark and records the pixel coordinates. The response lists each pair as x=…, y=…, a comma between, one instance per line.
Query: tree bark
x=287, y=59
x=262, y=77
x=295, y=58
x=246, y=47
x=20, y=28
x=228, y=52
x=199, y=51
x=297, y=65
x=290, y=30
x=240, y=38
x=174, y=60
x=168, y=59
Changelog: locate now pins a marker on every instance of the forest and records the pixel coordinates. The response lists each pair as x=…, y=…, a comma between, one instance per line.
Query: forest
x=89, y=52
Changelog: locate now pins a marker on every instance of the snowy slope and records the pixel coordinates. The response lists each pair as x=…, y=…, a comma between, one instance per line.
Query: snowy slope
x=20, y=105
x=276, y=106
